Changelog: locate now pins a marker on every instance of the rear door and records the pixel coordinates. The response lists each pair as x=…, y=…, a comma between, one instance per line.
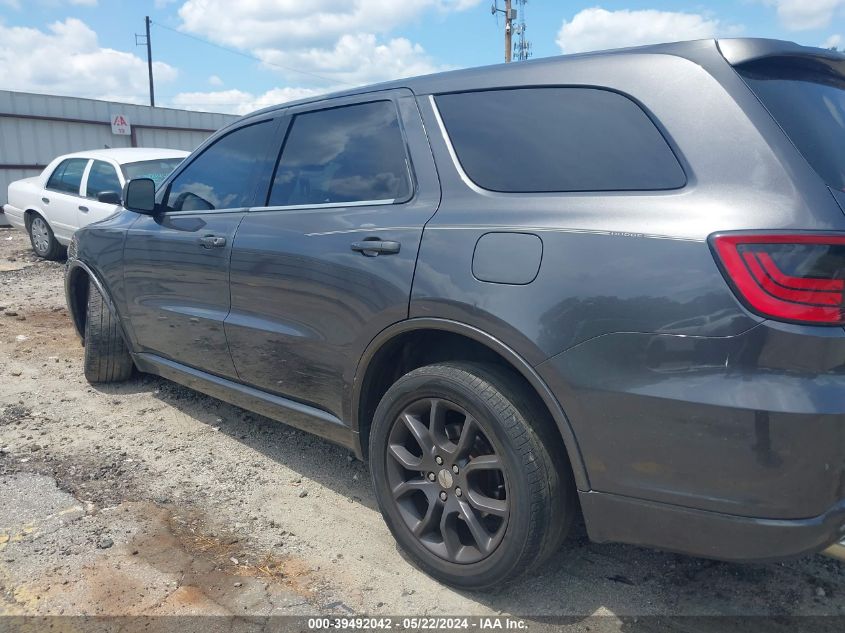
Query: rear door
x=99, y=178
x=176, y=262
x=62, y=198
x=327, y=261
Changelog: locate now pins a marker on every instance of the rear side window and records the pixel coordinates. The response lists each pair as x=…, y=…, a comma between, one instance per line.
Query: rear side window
x=67, y=177
x=533, y=140
x=102, y=177
x=224, y=175
x=349, y=154
x=807, y=98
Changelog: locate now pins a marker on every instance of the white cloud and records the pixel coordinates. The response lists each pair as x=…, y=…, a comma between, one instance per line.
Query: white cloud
x=356, y=59
x=801, y=15
x=84, y=3
x=238, y=101
x=834, y=41
x=598, y=29
x=66, y=59
x=214, y=80
x=11, y=4
x=327, y=41
x=293, y=23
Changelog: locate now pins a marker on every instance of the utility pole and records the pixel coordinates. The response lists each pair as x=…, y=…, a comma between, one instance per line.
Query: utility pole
x=508, y=30
x=150, y=62
x=510, y=16
x=148, y=42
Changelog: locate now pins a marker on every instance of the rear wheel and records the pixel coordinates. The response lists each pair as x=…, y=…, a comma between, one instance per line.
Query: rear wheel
x=107, y=358
x=42, y=239
x=465, y=483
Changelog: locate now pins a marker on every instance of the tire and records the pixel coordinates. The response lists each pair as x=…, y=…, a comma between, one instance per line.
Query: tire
x=525, y=492
x=43, y=241
x=107, y=358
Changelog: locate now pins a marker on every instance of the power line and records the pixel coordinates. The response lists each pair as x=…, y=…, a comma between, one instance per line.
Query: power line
x=248, y=56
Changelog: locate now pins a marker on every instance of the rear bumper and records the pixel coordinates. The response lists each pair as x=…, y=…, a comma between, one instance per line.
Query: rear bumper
x=709, y=534
x=730, y=448
x=14, y=216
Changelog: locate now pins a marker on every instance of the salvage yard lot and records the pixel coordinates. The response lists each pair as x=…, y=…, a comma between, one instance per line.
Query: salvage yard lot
x=148, y=498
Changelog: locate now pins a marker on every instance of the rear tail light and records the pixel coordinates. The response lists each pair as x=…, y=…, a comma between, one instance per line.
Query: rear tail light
x=798, y=278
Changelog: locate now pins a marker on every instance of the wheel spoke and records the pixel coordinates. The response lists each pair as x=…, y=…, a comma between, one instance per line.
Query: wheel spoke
x=405, y=457
x=406, y=487
x=489, y=505
x=449, y=533
x=431, y=518
x=437, y=424
x=483, y=462
x=420, y=432
x=467, y=438
x=482, y=538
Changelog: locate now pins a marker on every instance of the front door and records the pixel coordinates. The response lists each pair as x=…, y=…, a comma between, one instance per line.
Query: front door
x=329, y=261
x=176, y=262
x=99, y=178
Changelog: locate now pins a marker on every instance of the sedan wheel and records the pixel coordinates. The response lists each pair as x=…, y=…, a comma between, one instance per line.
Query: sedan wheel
x=43, y=241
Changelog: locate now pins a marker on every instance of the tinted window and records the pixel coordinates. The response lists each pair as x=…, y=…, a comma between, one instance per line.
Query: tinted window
x=557, y=139
x=102, y=177
x=348, y=154
x=223, y=176
x=68, y=176
x=157, y=170
x=807, y=98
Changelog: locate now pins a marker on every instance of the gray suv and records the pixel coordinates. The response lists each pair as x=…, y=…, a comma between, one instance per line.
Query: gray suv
x=608, y=284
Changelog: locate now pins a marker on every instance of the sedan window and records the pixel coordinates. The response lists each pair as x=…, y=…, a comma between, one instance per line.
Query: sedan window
x=67, y=177
x=102, y=177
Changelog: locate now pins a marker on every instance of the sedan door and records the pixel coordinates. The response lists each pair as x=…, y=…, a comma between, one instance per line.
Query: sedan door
x=99, y=178
x=176, y=262
x=62, y=198
x=328, y=262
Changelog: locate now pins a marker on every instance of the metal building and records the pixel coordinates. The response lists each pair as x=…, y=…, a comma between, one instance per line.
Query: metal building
x=34, y=129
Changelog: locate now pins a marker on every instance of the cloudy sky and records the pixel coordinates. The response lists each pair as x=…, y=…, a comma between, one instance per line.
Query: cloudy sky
x=238, y=55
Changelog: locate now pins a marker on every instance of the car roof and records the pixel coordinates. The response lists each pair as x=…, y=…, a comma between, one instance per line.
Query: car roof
x=738, y=50
x=123, y=155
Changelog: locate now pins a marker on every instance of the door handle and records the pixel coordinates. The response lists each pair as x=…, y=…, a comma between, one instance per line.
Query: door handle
x=83, y=209
x=213, y=241
x=372, y=248
x=45, y=200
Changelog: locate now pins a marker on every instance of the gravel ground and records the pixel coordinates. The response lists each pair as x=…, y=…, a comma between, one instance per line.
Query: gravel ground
x=149, y=498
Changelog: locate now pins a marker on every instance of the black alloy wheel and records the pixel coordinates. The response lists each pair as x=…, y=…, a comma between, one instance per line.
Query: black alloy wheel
x=469, y=475
x=447, y=480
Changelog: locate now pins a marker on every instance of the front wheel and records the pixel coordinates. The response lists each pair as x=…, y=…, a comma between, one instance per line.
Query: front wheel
x=107, y=358
x=463, y=480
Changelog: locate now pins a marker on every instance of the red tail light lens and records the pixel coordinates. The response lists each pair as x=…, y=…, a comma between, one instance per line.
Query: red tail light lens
x=797, y=278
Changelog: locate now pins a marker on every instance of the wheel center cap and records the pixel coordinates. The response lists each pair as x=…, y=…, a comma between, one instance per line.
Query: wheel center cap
x=444, y=478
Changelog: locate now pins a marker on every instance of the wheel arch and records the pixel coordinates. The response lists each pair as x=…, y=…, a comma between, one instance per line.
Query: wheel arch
x=27, y=217
x=78, y=278
x=426, y=340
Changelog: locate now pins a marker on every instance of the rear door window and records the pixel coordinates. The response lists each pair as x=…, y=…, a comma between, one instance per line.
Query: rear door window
x=557, y=140
x=341, y=155
x=67, y=177
x=807, y=99
x=102, y=177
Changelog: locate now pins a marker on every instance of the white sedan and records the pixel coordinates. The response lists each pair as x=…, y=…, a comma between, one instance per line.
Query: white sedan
x=77, y=189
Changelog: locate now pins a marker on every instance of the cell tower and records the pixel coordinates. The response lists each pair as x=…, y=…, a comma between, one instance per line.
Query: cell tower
x=521, y=47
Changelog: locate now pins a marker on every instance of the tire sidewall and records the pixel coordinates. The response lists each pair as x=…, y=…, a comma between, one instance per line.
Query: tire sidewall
x=509, y=552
